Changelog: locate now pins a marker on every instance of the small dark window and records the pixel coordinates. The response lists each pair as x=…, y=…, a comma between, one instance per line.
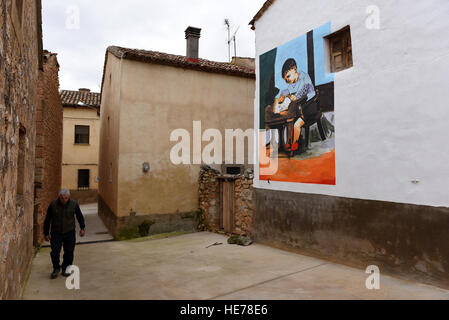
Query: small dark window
x=340, y=49
x=83, y=179
x=233, y=170
x=82, y=134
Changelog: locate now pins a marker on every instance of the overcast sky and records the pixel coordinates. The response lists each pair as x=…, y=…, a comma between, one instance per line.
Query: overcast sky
x=81, y=40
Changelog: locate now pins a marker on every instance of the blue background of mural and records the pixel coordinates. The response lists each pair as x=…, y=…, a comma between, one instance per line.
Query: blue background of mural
x=321, y=77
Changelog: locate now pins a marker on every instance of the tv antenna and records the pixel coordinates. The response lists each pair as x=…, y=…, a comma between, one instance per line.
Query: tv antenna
x=228, y=27
x=231, y=39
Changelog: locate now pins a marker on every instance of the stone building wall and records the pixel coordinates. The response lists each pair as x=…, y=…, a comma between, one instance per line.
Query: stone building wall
x=49, y=115
x=209, y=200
x=244, y=204
x=20, y=51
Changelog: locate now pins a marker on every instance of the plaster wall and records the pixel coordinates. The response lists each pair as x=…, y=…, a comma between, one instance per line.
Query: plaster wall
x=155, y=100
x=109, y=133
x=390, y=107
x=80, y=156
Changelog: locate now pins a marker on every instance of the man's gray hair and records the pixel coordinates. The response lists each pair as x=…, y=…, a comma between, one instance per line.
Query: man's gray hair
x=64, y=192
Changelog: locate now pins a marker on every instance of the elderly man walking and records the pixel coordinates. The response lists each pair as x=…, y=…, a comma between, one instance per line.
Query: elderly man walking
x=61, y=217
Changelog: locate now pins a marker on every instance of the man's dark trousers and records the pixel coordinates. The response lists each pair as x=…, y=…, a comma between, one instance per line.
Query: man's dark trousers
x=66, y=240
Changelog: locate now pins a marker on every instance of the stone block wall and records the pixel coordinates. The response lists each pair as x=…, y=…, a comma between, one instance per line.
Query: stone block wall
x=210, y=198
x=48, y=142
x=244, y=204
x=20, y=61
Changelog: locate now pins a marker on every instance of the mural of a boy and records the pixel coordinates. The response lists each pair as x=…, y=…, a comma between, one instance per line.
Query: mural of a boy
x=299, y=84
x=296, y=98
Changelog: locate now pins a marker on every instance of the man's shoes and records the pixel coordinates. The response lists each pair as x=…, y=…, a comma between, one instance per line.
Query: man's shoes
x=65, y=273
x=295, y=146
x=55, y=273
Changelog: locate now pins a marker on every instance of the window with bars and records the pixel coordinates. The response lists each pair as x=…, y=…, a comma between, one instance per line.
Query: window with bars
x=83, y=179
x=234, y=170
x=82, y=134
x=340, y=49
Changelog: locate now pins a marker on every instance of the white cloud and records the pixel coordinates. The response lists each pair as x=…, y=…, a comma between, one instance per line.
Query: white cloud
x=151, y=25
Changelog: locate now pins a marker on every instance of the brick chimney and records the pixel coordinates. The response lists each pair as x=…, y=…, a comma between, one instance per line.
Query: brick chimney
x=192, y=36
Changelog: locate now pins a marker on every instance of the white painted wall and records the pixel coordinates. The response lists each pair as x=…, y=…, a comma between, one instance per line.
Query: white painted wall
x=392, y=107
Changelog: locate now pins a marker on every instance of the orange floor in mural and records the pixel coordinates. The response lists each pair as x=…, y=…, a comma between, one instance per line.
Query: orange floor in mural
x=318, y=170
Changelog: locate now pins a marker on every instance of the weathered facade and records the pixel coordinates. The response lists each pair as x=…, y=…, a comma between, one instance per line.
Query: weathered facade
x=146, y=96
x=244, y=62
x=47, y=177
x=20, y=61
x=389, y=203
x=81, y=141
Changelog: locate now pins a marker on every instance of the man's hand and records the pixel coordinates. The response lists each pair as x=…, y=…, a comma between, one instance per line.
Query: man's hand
x=293, y=97
x=82, y=233
x=47, y=238
x=281, y=99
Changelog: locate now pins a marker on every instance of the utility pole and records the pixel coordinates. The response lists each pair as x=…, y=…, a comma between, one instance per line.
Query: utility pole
x=233, y=39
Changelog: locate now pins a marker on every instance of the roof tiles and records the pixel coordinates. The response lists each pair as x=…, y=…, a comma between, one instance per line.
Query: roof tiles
x=82, y=98
x=181, y=61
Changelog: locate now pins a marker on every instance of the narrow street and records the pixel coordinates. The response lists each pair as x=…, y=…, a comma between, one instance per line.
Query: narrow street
x=95, y=231
x=182, y=267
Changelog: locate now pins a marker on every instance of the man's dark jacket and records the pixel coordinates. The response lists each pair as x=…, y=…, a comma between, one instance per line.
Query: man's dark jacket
x=62, y=217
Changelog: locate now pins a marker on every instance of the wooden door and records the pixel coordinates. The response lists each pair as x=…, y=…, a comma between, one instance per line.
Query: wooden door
x=227, y=205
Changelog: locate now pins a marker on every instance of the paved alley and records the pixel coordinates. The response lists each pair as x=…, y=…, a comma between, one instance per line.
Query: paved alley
x=185, y=267
x=95, y=228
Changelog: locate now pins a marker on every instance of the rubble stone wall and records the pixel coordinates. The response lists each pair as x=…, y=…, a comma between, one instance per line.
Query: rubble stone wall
x=20, y=52
x=209, y=200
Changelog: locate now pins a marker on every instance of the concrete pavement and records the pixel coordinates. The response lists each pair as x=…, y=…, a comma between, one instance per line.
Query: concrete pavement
x=95, y=228
x=182, y=267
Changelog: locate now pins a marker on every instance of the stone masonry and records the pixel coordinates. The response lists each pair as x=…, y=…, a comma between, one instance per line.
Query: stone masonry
x=49, y=117
x=244, y=204
x=209, y=200
x=20, y=61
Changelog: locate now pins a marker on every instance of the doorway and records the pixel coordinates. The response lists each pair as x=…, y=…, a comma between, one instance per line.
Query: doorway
x=227, y=204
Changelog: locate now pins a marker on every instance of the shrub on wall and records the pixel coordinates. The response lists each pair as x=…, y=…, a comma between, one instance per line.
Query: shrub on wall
x=144, y=228
x=132, y=232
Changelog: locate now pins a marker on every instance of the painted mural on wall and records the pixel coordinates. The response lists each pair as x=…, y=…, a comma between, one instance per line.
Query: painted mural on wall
x=297, y=104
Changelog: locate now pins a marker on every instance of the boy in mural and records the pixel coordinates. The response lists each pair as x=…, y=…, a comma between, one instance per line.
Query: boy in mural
x=299, y=84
